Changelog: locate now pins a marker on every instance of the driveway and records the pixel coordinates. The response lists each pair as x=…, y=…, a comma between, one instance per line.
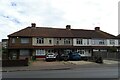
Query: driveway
x=88, y=62
x=43, y=65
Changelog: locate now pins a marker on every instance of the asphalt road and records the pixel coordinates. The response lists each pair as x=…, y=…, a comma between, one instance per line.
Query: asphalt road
x=87, y=72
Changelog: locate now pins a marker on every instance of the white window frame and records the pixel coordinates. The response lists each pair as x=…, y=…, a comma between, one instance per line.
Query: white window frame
x=88, y=42
x=79, y=41
x=40, y=52
x=101, y=42
x=50, y=41
x=80, y=51
x=66, y=41
x=112, y=42
x=57, y=40
x=40, y=40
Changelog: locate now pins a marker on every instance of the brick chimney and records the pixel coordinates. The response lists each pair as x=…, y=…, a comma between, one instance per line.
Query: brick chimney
x=97, y=28
x=33, y=24
x=68, y=27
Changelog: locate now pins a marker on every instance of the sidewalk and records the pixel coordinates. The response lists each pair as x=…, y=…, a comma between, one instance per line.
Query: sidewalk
x=38, y=65
x=88, y=62
x=56, y=65
x=110, y=62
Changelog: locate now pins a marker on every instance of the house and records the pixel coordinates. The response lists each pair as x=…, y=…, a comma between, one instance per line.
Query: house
x=39, y=41
x=4, y=44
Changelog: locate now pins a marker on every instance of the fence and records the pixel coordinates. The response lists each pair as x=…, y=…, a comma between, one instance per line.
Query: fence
x=10, y=63
x=108, y=55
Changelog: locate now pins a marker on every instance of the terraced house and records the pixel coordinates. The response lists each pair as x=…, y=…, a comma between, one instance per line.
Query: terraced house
x=39, y=41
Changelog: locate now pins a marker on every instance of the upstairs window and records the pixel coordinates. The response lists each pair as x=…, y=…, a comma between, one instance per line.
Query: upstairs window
x=50, y=41
x=57, y=40
x=88, y=42
x=66, y=41
x=40, y=40
x=24, y=40
x=13, y=40
x=119, y=41
x=79, y=41
x=101, y=42
x=112, y=42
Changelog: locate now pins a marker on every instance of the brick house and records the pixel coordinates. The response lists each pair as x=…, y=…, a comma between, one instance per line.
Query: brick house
x=39, y=41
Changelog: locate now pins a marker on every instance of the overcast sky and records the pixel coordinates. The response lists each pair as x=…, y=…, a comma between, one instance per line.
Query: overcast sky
x=80, y=14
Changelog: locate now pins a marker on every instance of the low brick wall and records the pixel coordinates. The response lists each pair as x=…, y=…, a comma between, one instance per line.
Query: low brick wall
x=10, y=63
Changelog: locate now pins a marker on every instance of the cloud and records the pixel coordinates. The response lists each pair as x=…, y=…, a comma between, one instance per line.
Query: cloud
x=18, y=14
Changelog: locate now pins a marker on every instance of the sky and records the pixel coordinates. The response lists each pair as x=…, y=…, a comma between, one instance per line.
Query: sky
x=80, y=14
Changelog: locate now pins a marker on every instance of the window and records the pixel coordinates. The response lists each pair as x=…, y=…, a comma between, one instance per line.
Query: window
x=24, y=40
x=13, y=40
x=87, y=41
x=79, y=41
x=50, y=41
x=101, y=42
x=40, y=40
x=57, y=40
x=66, y=41
x=50, y=51
x=40, y=52
x=80, y=51
x=112, y=42
x=93, y=42
x=67, y=51
x=119, y=41
x=24, y=52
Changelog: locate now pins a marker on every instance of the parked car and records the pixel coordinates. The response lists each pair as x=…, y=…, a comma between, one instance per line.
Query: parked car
x=50, y=57
x=64, y=57
x=74, y=56
x=84, y=56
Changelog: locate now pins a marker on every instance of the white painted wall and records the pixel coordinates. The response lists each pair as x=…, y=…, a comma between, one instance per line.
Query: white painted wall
x=92, y=42
x=115, y=40
x=95, y=42
x=46, y=42
x=84, y=42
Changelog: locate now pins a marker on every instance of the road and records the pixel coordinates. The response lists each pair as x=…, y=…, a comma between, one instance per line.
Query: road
x=87, y=72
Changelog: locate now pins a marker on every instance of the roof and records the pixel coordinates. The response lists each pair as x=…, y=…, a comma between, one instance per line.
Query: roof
x=118, y=36
x=59, y=32
x=4, y=40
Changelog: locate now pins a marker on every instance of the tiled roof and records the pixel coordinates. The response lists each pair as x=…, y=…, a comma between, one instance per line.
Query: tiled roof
x=118, y=36
x=57, y=32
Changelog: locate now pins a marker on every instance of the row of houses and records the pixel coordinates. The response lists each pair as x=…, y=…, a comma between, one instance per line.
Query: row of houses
x=38, y=41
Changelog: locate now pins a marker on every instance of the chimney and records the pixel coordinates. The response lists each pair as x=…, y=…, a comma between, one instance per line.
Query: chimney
x=97, y=28
x=33, y=24
x=68, y=27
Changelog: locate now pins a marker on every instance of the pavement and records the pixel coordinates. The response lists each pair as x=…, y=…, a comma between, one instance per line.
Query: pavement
x=110, y=62
x=55, y=65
